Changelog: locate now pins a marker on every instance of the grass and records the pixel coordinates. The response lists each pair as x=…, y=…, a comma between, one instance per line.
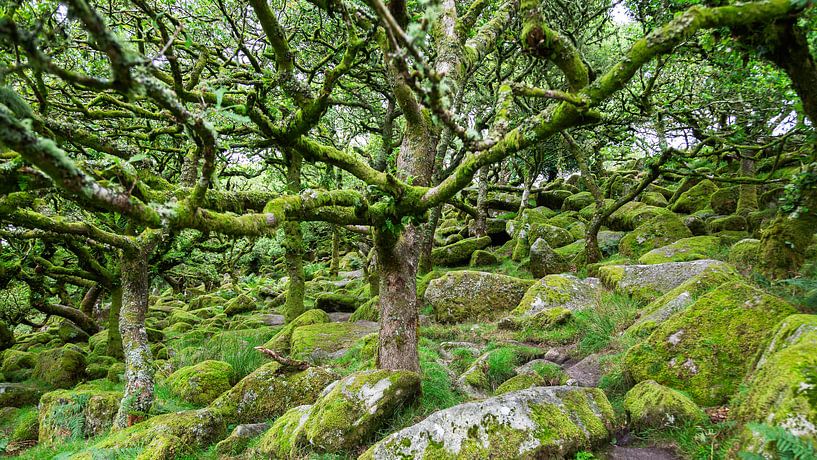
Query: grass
x=695, y=441
x=233, y=347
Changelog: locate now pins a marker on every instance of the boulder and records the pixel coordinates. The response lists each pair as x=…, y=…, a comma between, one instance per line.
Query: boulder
x=369, y=311
x=203, y=382
x=68, y=332
x=545, y=261
x=696, y=198
x=706, y=349
x=482, y=258
x=60, y=367
x=647, y=282
x=6, y=336
x=555, y=236
x=337, y=302
x=650, y=405
x=280, y=342
x=653, y=199
x=26, y=428
x=725, y=200
x=577, y=201
x=781, y=389
x=318, y=342
x=632, y=214
x=539, y=422
x=745, y=254
x=182, y=316
x=462, y=296
x=269, y=391
x=654, y=233
x=241, y=303
x=18, y=394
x=281, y=440
x=460, y=252
x=15, y=360
x=565, y=292
x=520, y=382
x=66, y=415
x=683, y=250
x=553, y=199
x=726, y=223
x=239, y=438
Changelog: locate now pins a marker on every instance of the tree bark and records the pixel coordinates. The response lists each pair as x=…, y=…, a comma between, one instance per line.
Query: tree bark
x=138, y=397
x=90, y=299
x=293, y=245
x=114, y=346
x=481, y=222
x=334, y=265
x=426, y=261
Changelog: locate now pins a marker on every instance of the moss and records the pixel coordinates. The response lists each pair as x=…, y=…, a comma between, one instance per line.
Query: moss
x=696, y=198
x=202, y=383
x=461, y=296
x=280, y=342
x=654, y=233
x=706, y=349
x=335, y=301
x=724, y=201
x=116, y=372
x=206, y=301
x=653, y=199
x=15, y=360
x=181, y=316
x=65, y=415
x=633, y=214
x=239, y=304
x=482, y=258
x=685, y=249
x=61, y=367
x=356, y=407
x=460, y=252
x=369, y=311
x=555, y=236
x=650, y=405
x=577, y=201
x=571, y=251
x=780, y=391
x=269, y=391
x=25, y=426
x=745, y=254
x=520, y=382
x=319, y=340
x=544, y=302
x=727, y=223
x=280, y=440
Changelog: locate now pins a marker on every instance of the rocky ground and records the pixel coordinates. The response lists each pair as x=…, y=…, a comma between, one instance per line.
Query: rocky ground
x=669, y=348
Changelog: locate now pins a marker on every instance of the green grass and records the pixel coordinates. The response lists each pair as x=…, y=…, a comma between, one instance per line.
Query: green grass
x=695, y=441
x=233, y=347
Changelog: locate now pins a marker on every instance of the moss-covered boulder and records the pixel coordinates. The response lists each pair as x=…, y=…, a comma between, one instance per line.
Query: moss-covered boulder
x=653, y=199
x=206, y=300
x=460, y=252
x=647, y=282
x=745, y=254
x=61, y=367
x=555, y=236
x=337, y=302
x=654, y=233
x=633, y=214
x=269, y=391
x=545, y=261
x=470, y=295
x=539, y=422
x=18, y=394
x=683, y=250
x=76, y=414
x=726, y=223
x=781, y=390
x=725, y=200
x=68, y=332
x=241, y=303
x=280, y=441
x=577, y=201
x=348, y=412
x=15, y=361
x=680, y=297
x=482, y=258
x=163, y=437
x=520, y=382
x=319, y=342
x=202, y=383
x=650, y=405
x=6, y=336
x=239, y=438
x=280, y=342
x=564, y=292
x=26, y=428
x=369, y=311
x=706, y=349
x=696, y=198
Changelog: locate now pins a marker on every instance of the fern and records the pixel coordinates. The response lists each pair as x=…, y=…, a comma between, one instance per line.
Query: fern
x=787, y=445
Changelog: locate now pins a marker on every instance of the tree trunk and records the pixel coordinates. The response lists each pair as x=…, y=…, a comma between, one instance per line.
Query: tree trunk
x=399, y=317
x=790, y=51
x=334, y=265
x=114, y=346
x=430, y=227
x=138, y=397
x=528, y=185
x=747, y=196
x=481, y=222
x=89, y=300
x=591, y=248
x=293, y=246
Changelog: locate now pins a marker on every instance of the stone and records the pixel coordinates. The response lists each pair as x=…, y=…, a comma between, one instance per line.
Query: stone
x=482, y=258
x=66, y=415
x=18, y=394
x=280, y=342
x=727, y=223
x=745, y=254
x=239, y=438
x=203, y=382
x=241, y=303
x=724, y=201
x=557, y=291
x=545, y=261
x=539, y=422
x=632, y=214
x=460, y=252
x=683, y=250
x=650, y=405
x=462, y=296
x=318, y=342
x=654, y=233
x=577, y=201
x=706, y=349
x=520, y=382
x=369, y=311
x=587, y=372
x=647, y=282
x=68, y=332
x=60, y=367
x=555, y=236
x=269, y=391
x=337, y=302
x=653, y=199
x=696, y=198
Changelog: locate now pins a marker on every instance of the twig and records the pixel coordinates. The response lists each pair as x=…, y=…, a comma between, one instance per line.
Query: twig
x=301, y=365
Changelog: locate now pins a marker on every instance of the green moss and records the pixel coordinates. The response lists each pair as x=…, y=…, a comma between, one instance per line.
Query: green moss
x=462, y=296
x=683, y=250
x=269, y=391
x=745, y=254
x=650, y=405
x=280, y=342
x=369, y=311
x=26, y=426
x=239, y=304
x=706, y=349
x=696, y=198
x=460, y=252
x=61, y=367
x=555, y=236
x=577, y=201
x=280, y=441
x=319, y=340
x=202, y=383
x=520, y=382
x=15, y=360
x=74, y=414
x=655, y=233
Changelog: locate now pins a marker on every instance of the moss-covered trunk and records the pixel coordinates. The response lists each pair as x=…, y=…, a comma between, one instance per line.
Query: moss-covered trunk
x=429, y=228
x=784, y=241
x=747, y=195
x=481, y=222
x=334, y=265
x=399, y=317
x=114, y=346
x=90, y=299
x=138, y=397
x=293, y=245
